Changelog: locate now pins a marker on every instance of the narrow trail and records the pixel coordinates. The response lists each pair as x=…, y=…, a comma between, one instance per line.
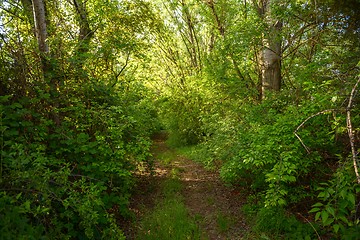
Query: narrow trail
x=216, y=208
x=217, y=205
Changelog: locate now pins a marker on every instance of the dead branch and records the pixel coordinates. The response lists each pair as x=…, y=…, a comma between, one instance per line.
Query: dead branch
x=350, y=132
x=302, y=124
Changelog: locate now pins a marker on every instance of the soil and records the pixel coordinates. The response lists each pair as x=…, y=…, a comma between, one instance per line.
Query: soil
x=216, y=207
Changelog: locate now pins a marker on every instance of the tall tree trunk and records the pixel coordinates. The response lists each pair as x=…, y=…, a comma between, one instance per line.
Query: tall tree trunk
x=40, y=26
x=271, y=51
x=40, y=21
x=271, y=61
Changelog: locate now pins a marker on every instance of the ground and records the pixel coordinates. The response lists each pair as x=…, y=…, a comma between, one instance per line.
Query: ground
x=216, y=207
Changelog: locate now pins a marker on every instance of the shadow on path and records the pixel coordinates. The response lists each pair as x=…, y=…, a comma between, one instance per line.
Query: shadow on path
x=216, y=208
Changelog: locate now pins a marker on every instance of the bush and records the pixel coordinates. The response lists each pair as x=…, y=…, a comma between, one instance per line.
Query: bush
x=273, y=222
x=73, y=179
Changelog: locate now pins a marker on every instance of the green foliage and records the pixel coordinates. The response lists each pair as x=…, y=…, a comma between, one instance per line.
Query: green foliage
x=273, y=222
x=181, y=115
x=269, y=153
x=73, y=180
x=170, y=219
x=73, y=128
x=338, y=209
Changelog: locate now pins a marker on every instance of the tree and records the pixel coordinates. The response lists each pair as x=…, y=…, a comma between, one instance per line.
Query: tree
x=270, y=56
x=40, y=26
x=220, y=26
x=84, y=38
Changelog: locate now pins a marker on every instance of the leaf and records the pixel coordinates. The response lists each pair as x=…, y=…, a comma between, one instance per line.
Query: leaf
x=344, y=219
x=336, y=228
x=317, y=216
x=319, y=204
x=281, y=201
x=292, y=179
x=351, y=198
x=324, y=216
x=27, y=205
x=18, y=196
x=330, y=210
x=314, y=210
x=343, y=194
x=329, y=221
x=322, y=195
x=16, y=105
x=45, y=210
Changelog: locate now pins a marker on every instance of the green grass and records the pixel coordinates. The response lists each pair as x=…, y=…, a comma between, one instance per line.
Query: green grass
x=170, y=219
x=224, y=222
x=166, y=158
x=198, y=154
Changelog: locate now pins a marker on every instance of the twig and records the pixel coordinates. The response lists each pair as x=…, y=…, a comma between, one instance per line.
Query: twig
x=350, y=131
x=302, y=124
x=310, y=225
x=302, y=143
x=121, y=70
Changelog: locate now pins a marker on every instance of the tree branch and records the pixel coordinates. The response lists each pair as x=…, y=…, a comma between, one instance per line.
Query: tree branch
x=302, y=124
x=121, y=70
x=350, y=132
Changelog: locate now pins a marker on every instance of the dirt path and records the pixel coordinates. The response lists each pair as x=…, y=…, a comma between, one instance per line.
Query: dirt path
x=218, y=207
x=215, y=207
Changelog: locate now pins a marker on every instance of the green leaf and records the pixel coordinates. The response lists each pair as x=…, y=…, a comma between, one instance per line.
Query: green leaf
x=322, y=194
x=314, y=210
x=27, y=205
x=329, y=221
x=15, y=105
x=330, y=210
x=317, y=216
x=45, y=210
x=319, y=204
x=18, y=196
x=324, y=216
x=351, y=198
x=344, y=219
x=336, y=228
x=343, y=194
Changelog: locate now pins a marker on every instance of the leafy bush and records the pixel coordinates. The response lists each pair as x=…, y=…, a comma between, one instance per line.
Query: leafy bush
x=181, y=113
x=269, y=152
x=338, y=209
x=73, y=179
x=273, y=222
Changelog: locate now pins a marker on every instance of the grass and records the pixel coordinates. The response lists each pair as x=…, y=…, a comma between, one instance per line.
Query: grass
x=224, y=222
x=198, y=154
x=170, y=219
x=166, y=158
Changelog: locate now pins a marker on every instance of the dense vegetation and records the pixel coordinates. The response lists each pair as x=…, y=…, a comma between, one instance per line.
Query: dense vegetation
x=265, y=90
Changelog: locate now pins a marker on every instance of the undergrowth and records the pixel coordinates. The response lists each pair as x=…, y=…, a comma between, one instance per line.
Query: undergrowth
x=170, y=219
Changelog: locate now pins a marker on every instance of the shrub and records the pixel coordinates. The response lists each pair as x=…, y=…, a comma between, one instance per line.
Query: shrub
x=73, y=179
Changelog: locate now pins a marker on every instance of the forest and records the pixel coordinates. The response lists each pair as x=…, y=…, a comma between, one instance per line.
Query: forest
x=264, y=93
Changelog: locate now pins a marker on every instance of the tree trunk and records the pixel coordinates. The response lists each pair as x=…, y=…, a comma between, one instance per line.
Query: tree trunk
x=50, y=78
x=271, y=51
x=85, y=35
x=271, y=61
x=40, y=25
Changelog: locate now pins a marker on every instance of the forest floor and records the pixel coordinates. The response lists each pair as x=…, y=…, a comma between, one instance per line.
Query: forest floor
x=215, y=207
